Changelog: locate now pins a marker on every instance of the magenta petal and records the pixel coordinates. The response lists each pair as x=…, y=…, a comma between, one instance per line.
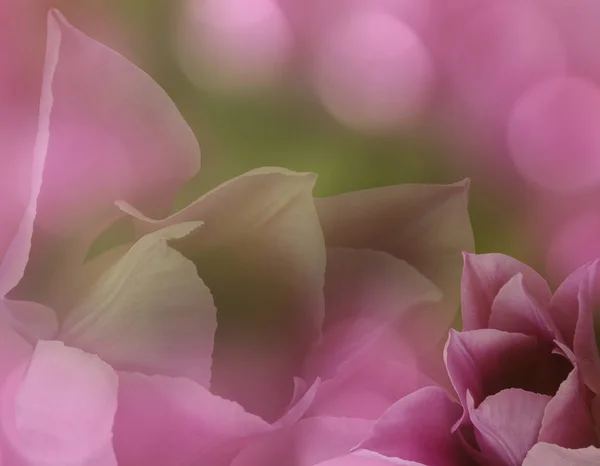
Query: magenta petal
x=418, y=428
x=572, y=402
x=63, y=409
x=545, y=454
x=565, y=304
x=482, y=361
x=584, y=341
x=165, y=421
x=483, y=277
x=507, y=424
x=307, y=443
x=515, y=309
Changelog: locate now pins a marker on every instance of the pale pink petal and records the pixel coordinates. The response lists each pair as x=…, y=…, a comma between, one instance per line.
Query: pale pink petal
x=515, y=309
x=59, y=410
x=368, y=458
x=545, y=454
x=305, y=444
x=572, y=401
x=15, y=350
x=419, y=428
x=149, y=312
x=33, y=321
x=483, y=277
x=302, y=400
x=261, y=253
x=164, y=421
x=426, y=226
x=112, y=134
x=366, y=385
x=507, y=424
x=22, y=175
x=362, y=283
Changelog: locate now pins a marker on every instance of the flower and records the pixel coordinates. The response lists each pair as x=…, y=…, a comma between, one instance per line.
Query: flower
x=525, y=359
x=257, y=311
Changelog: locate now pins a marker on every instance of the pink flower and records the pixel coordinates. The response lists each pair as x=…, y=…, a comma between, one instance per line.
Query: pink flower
x=525, y=361
x=257, y=311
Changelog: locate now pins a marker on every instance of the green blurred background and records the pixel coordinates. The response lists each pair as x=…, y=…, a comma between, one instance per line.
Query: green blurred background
x=286, y=128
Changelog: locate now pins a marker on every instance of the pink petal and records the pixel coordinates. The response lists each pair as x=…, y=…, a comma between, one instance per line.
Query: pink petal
x=515, y=309
x=261, y=253
x=362, y=283
x=483, y=277
x=112, y=135
x=15, y=350
x=61, y=409
x=149, y=312
x=367, y=458
x=22, y=175
x=33, y=321
x=406, y=221
x=507, y=424
x=545, y=454
x=572, y=401
x=418, y=428
x=305, y=444
x=369, y=383
x=165, y=421
x=565, y=304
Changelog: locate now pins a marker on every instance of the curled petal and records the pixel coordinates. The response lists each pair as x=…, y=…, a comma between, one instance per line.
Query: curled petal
x=515, y=309
x=507, y=424
x=573, y=400
x=483, y=277
x=483, y=362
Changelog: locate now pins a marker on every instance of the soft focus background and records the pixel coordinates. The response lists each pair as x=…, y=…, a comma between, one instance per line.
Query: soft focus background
x=375, y=92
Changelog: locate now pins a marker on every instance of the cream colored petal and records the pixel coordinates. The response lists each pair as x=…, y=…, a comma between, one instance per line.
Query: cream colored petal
x=149, y=312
